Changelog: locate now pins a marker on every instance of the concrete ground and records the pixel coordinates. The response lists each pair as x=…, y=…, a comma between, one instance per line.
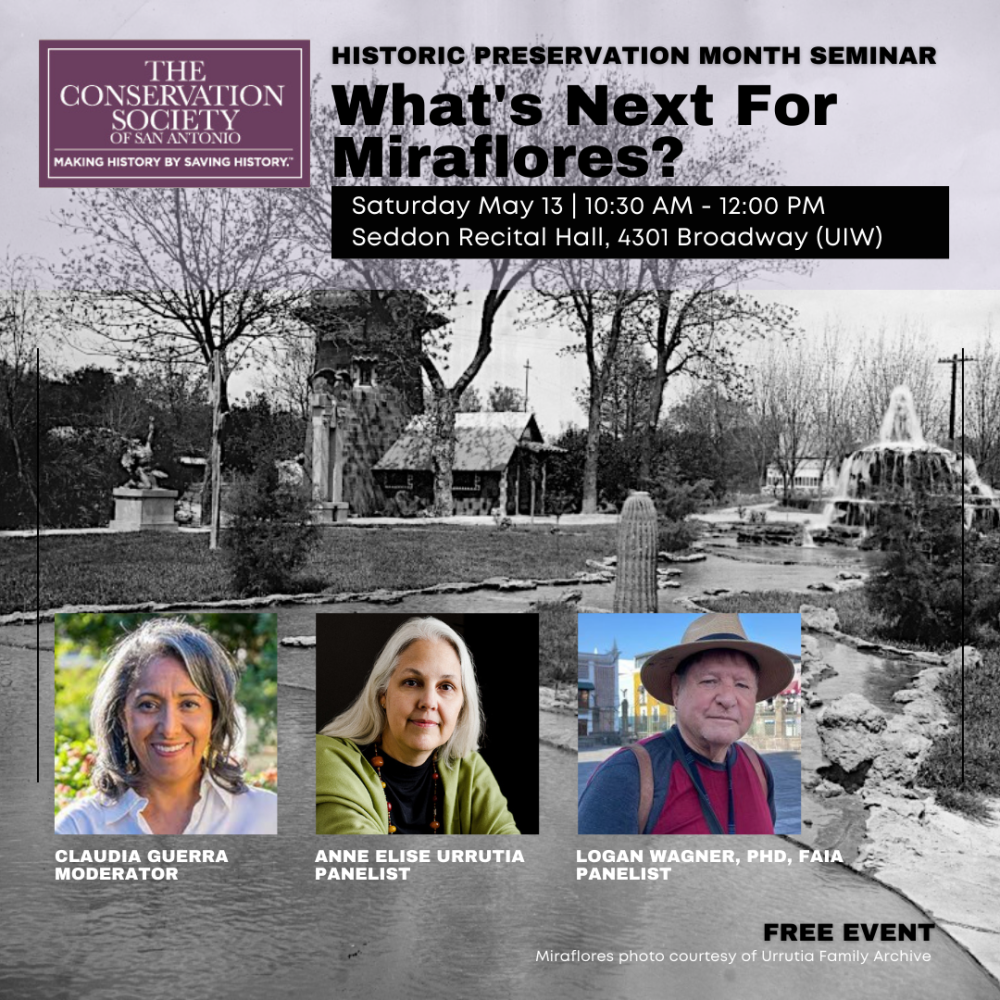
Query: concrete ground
x=786, y=768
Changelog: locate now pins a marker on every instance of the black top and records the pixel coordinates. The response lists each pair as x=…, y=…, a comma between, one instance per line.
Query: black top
x=410, y=790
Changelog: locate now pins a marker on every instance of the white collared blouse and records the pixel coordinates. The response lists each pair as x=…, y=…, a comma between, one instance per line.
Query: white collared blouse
x=216, y=811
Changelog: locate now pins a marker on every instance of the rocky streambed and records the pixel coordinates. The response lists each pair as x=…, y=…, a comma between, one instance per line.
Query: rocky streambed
x=863, y=743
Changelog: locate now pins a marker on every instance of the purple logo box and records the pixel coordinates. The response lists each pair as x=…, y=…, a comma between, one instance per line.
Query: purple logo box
x=173, y=114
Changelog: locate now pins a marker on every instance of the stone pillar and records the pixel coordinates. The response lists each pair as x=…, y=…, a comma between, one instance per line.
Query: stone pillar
x=337, y=457
x=323, y=417
x=327, y=474
x=779, y=716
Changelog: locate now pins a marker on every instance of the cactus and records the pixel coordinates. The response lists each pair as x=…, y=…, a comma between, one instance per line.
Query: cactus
x=635, y=586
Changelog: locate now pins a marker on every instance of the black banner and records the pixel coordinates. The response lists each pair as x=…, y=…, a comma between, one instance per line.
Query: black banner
x=875, y=223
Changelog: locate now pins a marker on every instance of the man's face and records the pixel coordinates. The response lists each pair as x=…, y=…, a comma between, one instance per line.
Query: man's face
x=714, y=701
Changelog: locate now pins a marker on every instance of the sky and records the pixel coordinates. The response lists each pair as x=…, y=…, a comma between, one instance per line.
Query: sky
x=637, y=634
x=892, y=125
x=952, y=320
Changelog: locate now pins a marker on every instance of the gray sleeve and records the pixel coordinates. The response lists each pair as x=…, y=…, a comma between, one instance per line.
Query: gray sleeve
x=610, y=802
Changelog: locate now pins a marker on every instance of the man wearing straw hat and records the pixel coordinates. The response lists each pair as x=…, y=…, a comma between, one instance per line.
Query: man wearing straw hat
x=696, y=777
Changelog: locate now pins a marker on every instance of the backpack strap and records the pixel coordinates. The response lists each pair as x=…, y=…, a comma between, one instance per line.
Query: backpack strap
x=754, y=758
x=686, y=760
x=645, y=783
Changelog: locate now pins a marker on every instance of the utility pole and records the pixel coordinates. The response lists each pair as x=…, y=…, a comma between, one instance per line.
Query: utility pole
x=954, y=361
x=527, y=368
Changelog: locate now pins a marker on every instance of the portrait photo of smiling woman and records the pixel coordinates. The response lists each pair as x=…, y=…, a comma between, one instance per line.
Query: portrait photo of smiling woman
x=404, y=753
x=166, y=747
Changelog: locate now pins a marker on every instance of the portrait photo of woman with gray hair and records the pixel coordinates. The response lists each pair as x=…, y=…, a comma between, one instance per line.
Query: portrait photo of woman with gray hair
x=165, y=725
x=401, y=756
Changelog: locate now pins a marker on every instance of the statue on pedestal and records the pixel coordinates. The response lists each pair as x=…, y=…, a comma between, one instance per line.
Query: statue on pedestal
x=138, y=463
x=141, y=504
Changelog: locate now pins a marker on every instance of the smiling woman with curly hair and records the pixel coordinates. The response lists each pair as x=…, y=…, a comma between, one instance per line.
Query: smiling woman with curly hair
x=164, y=719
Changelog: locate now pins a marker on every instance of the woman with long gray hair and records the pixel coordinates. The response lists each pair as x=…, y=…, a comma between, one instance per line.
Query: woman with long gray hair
x=402, y=758
x=165, y=723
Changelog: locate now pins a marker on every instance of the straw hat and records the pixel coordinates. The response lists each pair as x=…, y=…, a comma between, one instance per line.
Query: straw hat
x=717, y=631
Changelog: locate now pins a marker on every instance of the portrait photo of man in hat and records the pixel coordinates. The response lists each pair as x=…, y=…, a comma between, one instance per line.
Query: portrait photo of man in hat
x=696, y=776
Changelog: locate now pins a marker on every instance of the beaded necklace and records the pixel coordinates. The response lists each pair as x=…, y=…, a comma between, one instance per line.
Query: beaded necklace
x=378, y=763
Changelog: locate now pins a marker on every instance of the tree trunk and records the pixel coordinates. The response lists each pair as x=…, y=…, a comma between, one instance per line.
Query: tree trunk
x=22, y=473
x=208, y=486
x=592, y=452
x=216, y=457
x=654, y=401
x=442, y=437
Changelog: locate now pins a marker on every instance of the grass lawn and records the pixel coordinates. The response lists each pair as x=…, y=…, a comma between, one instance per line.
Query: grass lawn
x=133, y=568
x=851, y=606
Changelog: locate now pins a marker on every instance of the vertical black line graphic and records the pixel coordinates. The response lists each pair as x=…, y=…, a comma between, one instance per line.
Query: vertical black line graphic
x=962, y=655
x=38, y=567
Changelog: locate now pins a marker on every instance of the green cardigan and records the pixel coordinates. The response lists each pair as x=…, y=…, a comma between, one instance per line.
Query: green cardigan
x=350, y=797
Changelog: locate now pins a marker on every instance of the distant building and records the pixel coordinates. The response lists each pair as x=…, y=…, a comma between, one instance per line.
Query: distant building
x=597, y=686
x=648, y=715
x=500, y=461
x=810, y=477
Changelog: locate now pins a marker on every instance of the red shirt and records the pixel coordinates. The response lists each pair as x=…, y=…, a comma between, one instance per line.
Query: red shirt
x=682, y=813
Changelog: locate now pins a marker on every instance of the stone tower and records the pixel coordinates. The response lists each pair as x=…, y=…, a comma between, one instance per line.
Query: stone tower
x=366, y=386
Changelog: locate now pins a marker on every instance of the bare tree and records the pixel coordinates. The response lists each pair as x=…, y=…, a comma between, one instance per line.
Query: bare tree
x=793, y=388
x=700, y=332
x=22, y=321
x=284, y=370
x=982, y=406
x=599, y=300
x=697, y=312
x=888, y=357
x=757, y=390
x=695, y=319
x=435, y=281
x=833, y=405
x=203, y=276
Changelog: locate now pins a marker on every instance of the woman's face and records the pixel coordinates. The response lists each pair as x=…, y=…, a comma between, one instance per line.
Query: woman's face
x=423, y=701
x=169, y=723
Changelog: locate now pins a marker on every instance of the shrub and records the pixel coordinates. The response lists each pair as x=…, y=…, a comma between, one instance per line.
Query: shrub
x=675, y=501
x=74, y=761
x=268, y=778
x=942, y=767
x=673, y=536
x=557, y=630
x=919, y=588
x=269, y=533
x=969, y=804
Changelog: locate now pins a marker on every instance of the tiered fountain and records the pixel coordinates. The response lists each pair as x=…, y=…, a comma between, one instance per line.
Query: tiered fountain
x=900, y=465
